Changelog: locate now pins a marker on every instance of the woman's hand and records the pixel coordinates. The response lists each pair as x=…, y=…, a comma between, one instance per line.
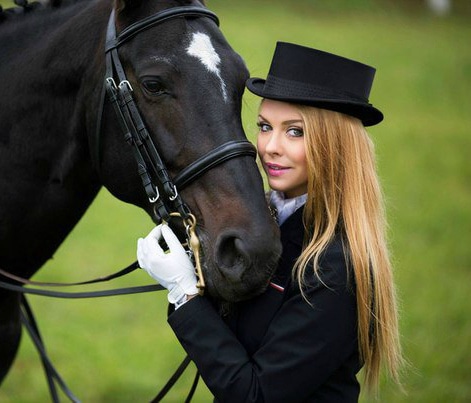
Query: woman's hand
x=173, y=268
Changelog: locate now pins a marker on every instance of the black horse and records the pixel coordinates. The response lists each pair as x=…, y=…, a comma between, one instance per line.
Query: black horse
x=187, y=83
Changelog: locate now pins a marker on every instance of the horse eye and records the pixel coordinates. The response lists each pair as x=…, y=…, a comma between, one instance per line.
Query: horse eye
x=155, y=87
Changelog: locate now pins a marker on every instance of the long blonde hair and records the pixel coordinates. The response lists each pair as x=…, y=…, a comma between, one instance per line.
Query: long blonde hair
x=344, y=192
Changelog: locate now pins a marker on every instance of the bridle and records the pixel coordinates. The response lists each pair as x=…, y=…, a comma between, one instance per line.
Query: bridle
x=162, y=191
x=152, y=170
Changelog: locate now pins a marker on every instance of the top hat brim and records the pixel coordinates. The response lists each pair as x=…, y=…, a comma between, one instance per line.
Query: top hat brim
x=367, y=113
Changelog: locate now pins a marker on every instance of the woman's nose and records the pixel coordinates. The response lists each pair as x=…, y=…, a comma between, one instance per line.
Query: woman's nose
x=273, y=145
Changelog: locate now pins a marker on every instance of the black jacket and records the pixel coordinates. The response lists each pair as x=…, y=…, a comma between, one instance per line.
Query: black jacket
x=277, y=347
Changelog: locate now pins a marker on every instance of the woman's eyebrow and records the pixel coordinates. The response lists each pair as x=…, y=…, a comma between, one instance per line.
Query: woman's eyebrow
x=284, y=123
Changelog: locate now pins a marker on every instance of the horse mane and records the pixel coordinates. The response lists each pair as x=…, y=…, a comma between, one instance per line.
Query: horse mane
x=24, y=7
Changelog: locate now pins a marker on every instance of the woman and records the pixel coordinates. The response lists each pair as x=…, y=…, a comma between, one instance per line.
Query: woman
x=330, y=308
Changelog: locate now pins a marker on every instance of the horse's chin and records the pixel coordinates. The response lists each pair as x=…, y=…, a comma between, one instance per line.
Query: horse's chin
x=224, y=290
x=232, y=295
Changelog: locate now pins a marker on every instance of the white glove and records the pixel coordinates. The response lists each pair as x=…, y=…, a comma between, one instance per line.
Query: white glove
x=173, y=269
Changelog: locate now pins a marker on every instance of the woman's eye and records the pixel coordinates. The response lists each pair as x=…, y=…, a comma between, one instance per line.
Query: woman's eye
x=263, y=127
x=155, y=87
x=295, y=132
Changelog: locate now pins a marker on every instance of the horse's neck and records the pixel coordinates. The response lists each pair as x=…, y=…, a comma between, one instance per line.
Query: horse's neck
x=47, y=180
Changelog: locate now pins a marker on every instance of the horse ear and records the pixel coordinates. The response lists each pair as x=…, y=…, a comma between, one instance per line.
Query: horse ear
x=192, y=2
x=120, y=5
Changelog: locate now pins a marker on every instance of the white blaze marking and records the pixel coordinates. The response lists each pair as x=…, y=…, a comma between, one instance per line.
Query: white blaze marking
x=202, y=48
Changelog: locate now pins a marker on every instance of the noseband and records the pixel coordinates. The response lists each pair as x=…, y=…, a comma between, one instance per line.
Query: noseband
x=167, y=201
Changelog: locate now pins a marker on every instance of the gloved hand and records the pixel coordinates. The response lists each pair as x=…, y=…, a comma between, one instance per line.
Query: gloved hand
x=173, y=269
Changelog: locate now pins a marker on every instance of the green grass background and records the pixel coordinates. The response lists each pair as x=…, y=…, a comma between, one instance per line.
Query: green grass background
x=120, y=349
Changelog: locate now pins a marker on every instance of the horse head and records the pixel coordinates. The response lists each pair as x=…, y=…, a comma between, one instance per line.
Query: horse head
x=187, y=84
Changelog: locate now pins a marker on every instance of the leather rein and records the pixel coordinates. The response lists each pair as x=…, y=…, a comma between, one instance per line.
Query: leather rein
x=161, y=190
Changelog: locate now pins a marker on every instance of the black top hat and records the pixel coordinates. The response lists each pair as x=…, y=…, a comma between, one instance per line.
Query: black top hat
x=312, y=77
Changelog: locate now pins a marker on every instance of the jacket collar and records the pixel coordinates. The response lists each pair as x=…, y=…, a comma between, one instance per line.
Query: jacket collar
x=292, y=230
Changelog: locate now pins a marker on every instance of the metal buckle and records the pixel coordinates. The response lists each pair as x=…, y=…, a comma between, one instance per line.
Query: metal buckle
x=194, y=245
x=111, y=81
x=126, y=83
x=154, y=199
x=175, y=194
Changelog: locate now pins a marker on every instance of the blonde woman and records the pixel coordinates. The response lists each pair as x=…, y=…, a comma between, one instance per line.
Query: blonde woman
x=330, y=308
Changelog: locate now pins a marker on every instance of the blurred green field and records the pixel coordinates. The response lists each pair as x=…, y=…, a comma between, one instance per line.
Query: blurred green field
x=120, y=349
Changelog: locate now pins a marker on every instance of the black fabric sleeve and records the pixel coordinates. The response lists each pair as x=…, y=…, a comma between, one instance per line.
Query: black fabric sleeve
x=305, y=344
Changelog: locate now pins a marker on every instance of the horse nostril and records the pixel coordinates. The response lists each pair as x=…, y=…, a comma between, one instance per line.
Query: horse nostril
x=231, y=256
x=245, y=260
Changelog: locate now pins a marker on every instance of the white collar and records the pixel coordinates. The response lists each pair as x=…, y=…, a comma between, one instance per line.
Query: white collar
x=285, y=207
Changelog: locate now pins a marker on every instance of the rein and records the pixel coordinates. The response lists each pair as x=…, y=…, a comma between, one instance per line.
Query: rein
x=90, y=294
x=29, y=322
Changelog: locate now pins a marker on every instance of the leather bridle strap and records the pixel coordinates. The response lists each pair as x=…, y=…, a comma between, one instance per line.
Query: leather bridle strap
x=158, y=18
x=81, y=295
x=90, y=294
x=128, y=269
x=227, y=151
x=152, y=170
x=52, y=376
x=150, y=164
x=135, y=133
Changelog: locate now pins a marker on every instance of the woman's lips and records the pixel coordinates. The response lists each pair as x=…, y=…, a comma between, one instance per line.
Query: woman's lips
x=275, y=169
